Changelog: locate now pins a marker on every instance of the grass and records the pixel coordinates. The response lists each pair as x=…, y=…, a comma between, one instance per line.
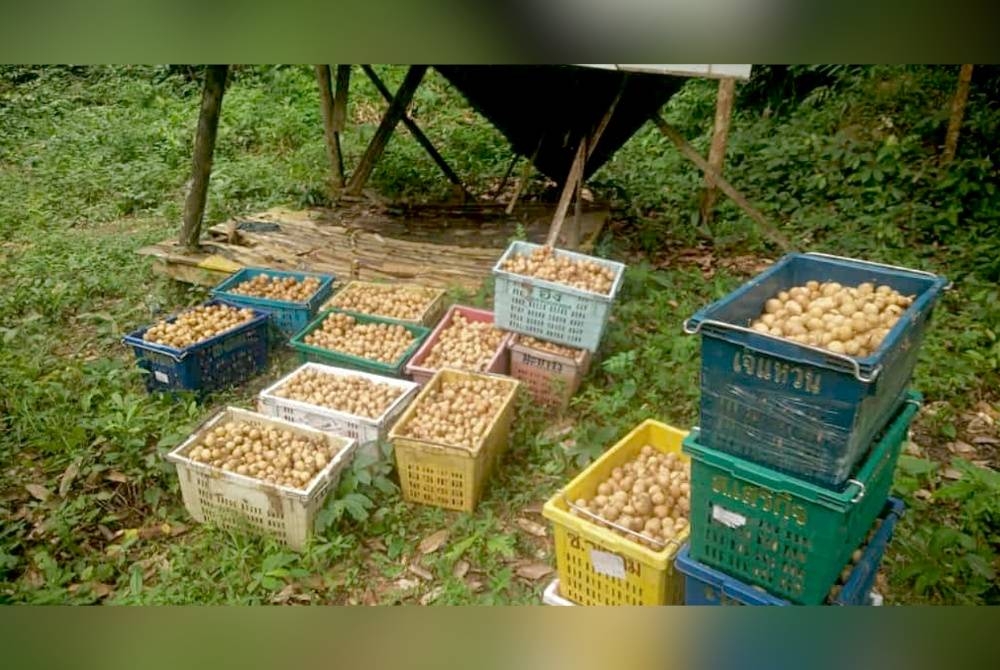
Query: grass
x=94, y=167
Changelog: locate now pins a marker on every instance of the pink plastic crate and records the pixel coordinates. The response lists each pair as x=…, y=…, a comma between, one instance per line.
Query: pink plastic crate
x=498, y=364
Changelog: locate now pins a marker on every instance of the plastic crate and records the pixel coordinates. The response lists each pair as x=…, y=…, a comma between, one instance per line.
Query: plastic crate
x=442, y=475
x=551, y=311
x=551, y=596
x=706, y=586
x=551, y=379
x=430, y=316
x=598, y=567
x=787, y=535
x=310, y=353
x=227, y=359
x=289, y=317
x=238, y=502
x=799, y=409
x=368, y=432
x=499, y=364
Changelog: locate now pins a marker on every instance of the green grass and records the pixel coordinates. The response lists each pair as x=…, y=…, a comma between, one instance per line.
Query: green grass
x=94, y=166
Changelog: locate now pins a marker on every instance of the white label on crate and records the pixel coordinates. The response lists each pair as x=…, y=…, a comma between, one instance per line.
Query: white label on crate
x=161, y=376
x=604, y=563
x=727, y=518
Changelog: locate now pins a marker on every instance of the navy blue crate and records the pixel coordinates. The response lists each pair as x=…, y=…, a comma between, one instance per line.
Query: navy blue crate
x=228, y=358
x=799, y=409
x=288, y=317
x=706, y=586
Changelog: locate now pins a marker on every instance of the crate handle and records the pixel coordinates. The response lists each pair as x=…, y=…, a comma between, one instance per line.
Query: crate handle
x=858, y=374
x=861, y=490
x=601, y=520
x=879, y=265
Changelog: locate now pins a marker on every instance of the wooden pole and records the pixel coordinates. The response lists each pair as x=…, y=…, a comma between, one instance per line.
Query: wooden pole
x=595, y=137
x=769, y=230
x=523, y=178
x=332, y=140
x=957, y=113
x=204, y=148
x=717, y=151
x=575, y=176
x=395, y=112
x=418, y=134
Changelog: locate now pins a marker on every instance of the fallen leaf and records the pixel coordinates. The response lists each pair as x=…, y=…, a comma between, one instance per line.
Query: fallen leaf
x=116, y=476
x=39, y=492
x=101, y=590
x=375, y=544
x=960, y=447
x=914, y=449
x=421, y=572
x=673, y=303
x=985, y=439
x=982, y=464
x=178, y=529
x=534, y=508
x=284, y=594
x=105, y=532
x=923, y=494
x=951, y=473
x=532, y=527
x=433, y=542
x=431, y=595
x=475, y=585
x=460, y=570
x=67, y=479
x=534, y=571
x=405, y=584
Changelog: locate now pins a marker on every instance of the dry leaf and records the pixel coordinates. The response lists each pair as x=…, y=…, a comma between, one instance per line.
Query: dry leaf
x=460, y=570
x=534, y=508
x=951, y=473
x=406, y=584
x=284, y=595
x=961, y=448
x=376, y=544
x=985, y=439
x=534, y=571
x=433, y=542
x=101, y=590
x=981, y=464
x=105, y=532
x=431, y=595
x=531, y=527
x=116, y=476
x=39, y=492
x=67, y=479
x=923, y=494
x=475, y=585
x=421, y=572
x=913, y=449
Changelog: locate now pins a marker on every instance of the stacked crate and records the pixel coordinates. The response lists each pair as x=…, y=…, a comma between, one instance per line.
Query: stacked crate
x=794, y=459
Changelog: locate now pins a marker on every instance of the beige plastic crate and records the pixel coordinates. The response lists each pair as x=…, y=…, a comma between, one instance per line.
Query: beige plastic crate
x=238, y=502
x=367, y=432
x=429, y=318
x=551, y=379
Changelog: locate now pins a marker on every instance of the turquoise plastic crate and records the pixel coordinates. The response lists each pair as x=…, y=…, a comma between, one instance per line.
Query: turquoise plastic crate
x=782, y=533
x=288, y=317
x=551, y=311
x=802, y=410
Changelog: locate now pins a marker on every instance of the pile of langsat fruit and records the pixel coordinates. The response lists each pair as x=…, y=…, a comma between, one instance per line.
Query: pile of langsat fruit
x=197, y=325
x=345, y=393
x=850, y=320
x=550, y=347
x=845, y=574
x=649, y=495
x=465, y=344
x=545, y=264
x=382, y=342
x=288, y=289
x=458, y=412
x=404, y=302
x=263, y=452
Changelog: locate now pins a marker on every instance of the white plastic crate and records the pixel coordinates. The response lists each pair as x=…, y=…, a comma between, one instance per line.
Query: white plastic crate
x=238, y=502
x=367, y=432
x=549, y=310
x=551, y=595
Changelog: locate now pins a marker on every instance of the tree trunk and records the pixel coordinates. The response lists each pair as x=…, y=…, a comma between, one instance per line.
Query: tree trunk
x=332, y=144
x=957, y=113
x=204, y=148
x=717, y=151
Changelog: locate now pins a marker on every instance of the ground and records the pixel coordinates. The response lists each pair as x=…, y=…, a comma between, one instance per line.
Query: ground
x=95, y=168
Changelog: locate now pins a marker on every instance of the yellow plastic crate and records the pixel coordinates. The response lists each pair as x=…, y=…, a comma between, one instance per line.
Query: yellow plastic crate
x=447, y=476
x=597, y=567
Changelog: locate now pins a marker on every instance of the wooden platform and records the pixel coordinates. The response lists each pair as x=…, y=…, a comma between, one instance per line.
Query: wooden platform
x=438, y=245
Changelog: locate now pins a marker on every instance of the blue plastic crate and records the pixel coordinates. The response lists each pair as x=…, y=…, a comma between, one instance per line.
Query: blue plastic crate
x=224, y=360
x=706, y=586
x=799, y=409
x=288, y=317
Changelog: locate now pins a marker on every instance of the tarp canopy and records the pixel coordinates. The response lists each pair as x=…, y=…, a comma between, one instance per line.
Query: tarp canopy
x=549, y=108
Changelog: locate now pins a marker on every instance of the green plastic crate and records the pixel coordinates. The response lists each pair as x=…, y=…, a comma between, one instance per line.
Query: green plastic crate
x=787, y=535
x=309, y=353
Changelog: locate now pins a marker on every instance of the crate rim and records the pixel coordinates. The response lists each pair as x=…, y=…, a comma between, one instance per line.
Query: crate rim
x=134, y=338
x=176, y=456
x=551, y=510
x=425, y=347
x=223, y=288
x=297, y=341
x=609, y=297
x=438, y=296
x=865, y=369
x=407, y=386
x=426, y=390
x=780, y=482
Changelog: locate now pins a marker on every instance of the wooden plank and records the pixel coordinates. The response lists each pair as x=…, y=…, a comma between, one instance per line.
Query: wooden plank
x=687, y=150
x=204, y=148
x=418, y=134
x=329, y=132
x=574, y=176
x=957, y=113
x=717, y=150
x=397, y=108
